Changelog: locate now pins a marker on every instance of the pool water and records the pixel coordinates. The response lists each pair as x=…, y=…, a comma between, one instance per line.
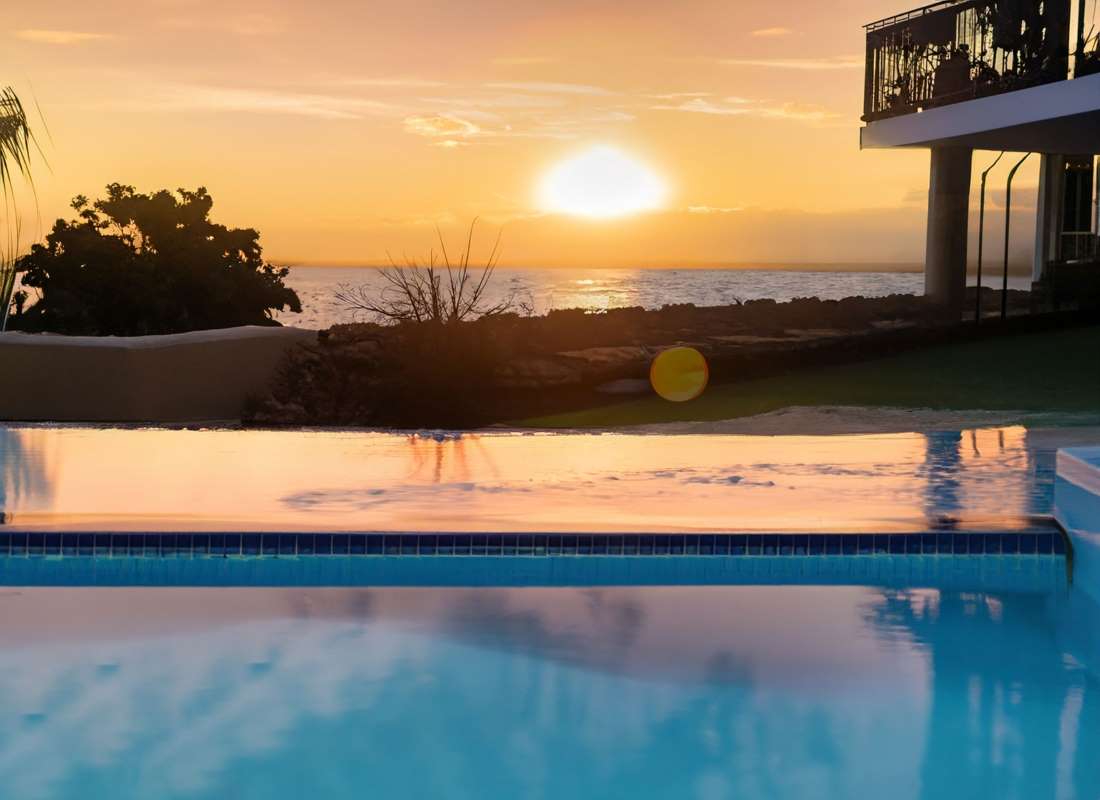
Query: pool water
x=218, y=480
x=986, y=688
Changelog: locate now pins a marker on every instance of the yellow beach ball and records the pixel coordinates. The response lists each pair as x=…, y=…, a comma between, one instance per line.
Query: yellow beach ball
x=679, y=374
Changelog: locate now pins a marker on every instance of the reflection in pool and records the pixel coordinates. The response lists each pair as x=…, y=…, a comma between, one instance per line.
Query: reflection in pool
x=710, y=692
x=94, y=478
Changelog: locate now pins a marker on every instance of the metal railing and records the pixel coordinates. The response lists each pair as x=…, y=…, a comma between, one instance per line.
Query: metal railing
x=958, y=50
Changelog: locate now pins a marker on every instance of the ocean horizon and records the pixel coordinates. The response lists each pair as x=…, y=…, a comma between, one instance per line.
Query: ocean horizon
x=541, y=290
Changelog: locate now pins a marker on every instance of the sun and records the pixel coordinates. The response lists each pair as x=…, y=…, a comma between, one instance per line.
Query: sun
x=600, y=183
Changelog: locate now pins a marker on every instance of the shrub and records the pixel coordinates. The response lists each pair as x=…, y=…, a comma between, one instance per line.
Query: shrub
x=134, y=264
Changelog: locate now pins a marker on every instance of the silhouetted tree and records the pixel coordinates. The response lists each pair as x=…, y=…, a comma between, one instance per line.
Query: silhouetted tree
x=134, y=264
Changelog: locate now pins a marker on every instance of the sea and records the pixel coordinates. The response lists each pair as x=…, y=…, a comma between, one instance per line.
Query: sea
x=541, y=290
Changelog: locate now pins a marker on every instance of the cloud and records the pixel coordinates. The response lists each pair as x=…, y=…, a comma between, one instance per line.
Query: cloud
x=713, y=210
x=393, y=83
x=440, y=125
x=679, y=95
x=213, y=98
x=700, y=106
x=809, y=64
x=800, y=112
x=40, y=36
x=450, y=144
x=771, y=33
x=552, y=88
x=741, y=106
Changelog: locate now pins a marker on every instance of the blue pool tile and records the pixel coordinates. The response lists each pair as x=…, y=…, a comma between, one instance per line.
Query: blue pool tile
x=306, y=544
x=1045, y=543
x=102, y=545
x=769, y=545
x=912, y=543
x=706, y=545
x=1010, y=543
x=391, y=544
x=832, y=545
x=960, y=544
x=410, y=544
x=848, y=544
x=322, y=544
x=5, y=544
x=1059, y=544
x=286, y=544
x=865, y=544
x=200, y=544
x=945, y=543
x=428, y=545
x=85, y=544
x=991, y=543
x=373, y=544
x=676, y=545
x=1028, y=545
x=250, y=544
x=928, y=543
x=815, y=545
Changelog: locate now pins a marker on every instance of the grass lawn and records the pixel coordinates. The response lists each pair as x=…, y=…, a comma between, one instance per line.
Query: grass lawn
x=1057, y=372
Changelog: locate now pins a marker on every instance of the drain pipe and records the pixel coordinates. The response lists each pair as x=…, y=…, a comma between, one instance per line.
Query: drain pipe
x=981, y=237
x=1008, y=221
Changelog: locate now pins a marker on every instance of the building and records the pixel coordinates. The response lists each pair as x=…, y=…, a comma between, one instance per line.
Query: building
x=1013, y=76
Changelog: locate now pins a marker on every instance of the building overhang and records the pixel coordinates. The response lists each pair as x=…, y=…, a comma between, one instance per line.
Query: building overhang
x=1060, y=117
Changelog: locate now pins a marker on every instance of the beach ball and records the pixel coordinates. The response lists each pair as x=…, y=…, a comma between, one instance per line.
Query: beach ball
x=679, y=374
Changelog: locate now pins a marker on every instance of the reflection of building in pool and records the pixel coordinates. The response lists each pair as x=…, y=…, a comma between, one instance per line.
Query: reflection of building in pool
x=942, y=463
x=1024, y=77
x=23, y=476
x=993, y=729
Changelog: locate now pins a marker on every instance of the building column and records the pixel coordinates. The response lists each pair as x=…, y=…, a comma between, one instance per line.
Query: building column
x=1048, y=213
x=948, y=211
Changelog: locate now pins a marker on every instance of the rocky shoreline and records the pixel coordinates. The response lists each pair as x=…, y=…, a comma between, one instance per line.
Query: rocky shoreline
x=509, y=367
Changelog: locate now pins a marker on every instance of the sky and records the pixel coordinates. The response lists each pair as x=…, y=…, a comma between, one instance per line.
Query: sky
x=348, y=132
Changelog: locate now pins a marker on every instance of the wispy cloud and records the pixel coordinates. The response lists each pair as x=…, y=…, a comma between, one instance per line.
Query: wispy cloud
x=551, y=88
x=741, y=106
x=699, y=105
x=713, y=210
x=41, y=36
x=227, y=99
x=772, y=33
x=441, y=125
x=680, y=95
x=393, y=83
x=811, y=64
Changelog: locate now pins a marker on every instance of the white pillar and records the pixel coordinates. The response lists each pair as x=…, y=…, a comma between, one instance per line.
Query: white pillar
x=948, y=210
x=1048, y=213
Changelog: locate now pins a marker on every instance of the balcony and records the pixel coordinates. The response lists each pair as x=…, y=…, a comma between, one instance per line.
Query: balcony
x=959, y=50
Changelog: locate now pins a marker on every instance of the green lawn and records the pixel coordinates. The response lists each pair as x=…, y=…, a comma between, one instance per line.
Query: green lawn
x=1057, y=372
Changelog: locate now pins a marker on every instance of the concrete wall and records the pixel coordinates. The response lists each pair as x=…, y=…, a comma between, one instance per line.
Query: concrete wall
x=1077, y=509
x=205, y=375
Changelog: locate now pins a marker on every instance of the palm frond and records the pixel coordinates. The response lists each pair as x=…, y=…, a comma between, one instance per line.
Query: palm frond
x=17, y=142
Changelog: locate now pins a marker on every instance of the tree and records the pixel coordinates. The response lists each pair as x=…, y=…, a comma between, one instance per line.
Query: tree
x=133, y=264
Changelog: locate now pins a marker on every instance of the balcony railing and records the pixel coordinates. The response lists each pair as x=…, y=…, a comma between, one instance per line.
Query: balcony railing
x=962, y=49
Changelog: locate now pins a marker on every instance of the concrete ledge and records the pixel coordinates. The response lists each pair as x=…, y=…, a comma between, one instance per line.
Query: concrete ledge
x=204, y=375
x=1077, y=509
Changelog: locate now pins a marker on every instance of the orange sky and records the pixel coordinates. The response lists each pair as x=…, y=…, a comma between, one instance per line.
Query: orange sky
x=343, y=130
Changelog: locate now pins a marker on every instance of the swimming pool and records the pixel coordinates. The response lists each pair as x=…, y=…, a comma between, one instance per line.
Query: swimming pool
x=212, y=614
x=984, y=685
x=96, y=479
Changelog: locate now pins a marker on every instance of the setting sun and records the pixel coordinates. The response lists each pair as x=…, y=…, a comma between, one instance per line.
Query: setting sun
x=600, y=183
